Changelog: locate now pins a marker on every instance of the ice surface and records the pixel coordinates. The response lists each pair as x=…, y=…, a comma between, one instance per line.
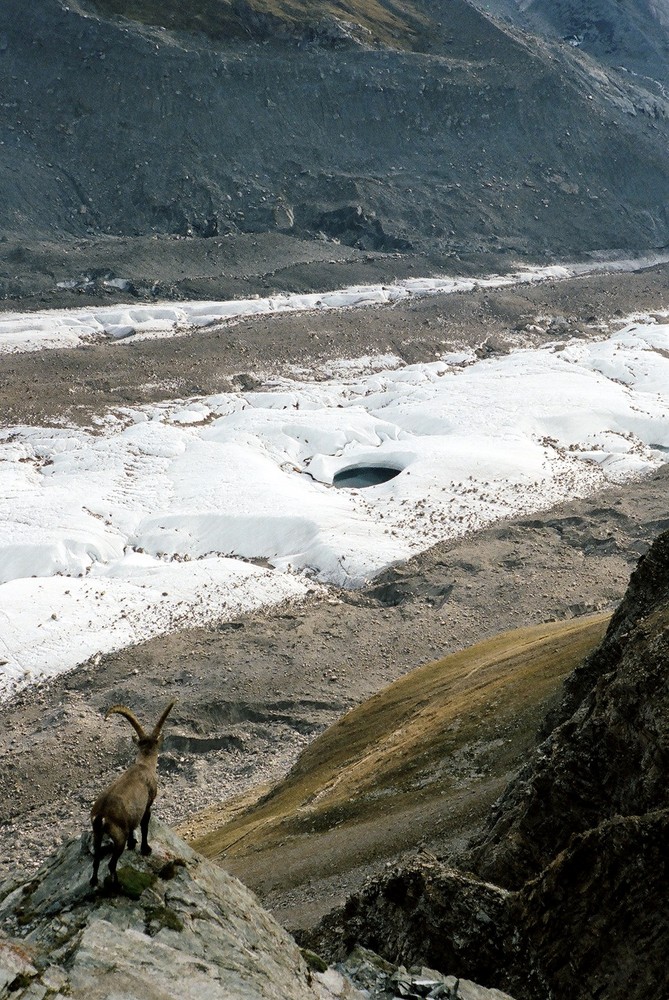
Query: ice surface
x=112, y=535
x=74, y=327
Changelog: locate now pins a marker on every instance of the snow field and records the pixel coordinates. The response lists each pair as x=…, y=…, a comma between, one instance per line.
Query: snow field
x=134, y=528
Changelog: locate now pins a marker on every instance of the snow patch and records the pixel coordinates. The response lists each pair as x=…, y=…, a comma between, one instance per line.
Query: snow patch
x=76, y=327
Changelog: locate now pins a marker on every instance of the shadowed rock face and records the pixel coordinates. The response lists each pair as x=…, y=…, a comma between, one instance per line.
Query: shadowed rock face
x=594, y=923
x=578, y=841
x=609, y=751
x=425, y=912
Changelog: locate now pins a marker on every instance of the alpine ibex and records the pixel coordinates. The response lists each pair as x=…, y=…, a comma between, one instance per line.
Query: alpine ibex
x=126, y=803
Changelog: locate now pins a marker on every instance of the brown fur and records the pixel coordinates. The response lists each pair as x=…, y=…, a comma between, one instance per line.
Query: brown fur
x=126, y=803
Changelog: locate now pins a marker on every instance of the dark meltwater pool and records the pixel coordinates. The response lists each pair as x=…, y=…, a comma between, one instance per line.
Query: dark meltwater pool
x=363, y=475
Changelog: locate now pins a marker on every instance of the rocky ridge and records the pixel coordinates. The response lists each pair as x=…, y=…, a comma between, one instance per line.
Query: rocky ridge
x=179, y=928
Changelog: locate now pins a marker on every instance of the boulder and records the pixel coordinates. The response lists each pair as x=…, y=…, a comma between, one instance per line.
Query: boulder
x=178, y=927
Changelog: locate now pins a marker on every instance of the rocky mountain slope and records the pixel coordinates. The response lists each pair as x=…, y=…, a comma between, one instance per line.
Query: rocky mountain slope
x=627, y=34
x=135, y=145
x=332, y=23
x=177, y=927
x=568, y=898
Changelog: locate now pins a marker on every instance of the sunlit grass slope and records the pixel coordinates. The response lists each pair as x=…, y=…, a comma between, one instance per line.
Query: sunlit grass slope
x=419, y=762
x=388, y=23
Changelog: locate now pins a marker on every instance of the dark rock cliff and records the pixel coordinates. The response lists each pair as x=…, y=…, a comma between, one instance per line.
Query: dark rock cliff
x=608, y=752
x=576, y=846
x=595, y=922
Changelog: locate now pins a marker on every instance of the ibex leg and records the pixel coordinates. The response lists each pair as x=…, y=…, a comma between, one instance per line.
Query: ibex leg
x=144, y=826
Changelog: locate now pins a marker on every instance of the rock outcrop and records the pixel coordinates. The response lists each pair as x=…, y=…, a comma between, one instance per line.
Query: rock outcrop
x=608, y=752
x=422, y=913
x=576, y=847
x=180, y=927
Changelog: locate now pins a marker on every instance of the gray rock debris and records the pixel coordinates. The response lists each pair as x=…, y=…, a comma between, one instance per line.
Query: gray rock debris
x=180, y=928
x=380, y=980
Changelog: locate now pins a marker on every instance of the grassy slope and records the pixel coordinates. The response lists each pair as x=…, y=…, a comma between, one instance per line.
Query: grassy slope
x=389, y=23
x=419, y=762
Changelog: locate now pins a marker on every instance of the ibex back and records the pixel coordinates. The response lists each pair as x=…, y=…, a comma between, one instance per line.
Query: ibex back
x=126, y=803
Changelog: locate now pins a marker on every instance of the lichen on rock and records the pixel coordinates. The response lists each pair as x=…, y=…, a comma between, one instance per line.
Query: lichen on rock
x=178, y=927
